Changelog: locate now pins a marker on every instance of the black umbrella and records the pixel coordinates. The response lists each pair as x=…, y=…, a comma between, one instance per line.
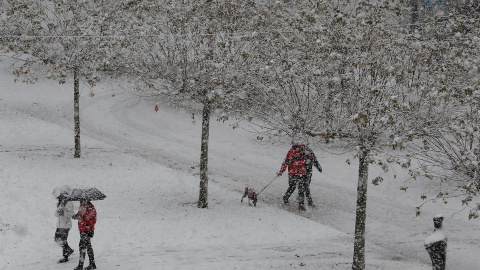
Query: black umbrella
x=82, y=194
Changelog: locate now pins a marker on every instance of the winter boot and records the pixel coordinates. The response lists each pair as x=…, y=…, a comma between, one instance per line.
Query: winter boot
x=63, y=260
x=285, y=200
x=91, y=266
x=301, y=207
x=79, y=267
x=68, y=253
x=310, y=204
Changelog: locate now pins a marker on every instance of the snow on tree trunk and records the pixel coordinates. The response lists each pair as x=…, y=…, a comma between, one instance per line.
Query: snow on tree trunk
x=203, y=198
x=413, y=4
x=76, y=111
x=361, y=212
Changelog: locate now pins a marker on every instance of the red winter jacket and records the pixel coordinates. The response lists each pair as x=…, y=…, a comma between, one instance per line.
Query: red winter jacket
x=87, y=217
x=295, y=161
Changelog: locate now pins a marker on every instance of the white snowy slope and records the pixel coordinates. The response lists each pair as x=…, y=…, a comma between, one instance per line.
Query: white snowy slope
x=146, y=162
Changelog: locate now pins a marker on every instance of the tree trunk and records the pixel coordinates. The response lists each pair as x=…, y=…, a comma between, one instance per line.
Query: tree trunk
x=361, y=212
x=76, y=111
x=203, y=199
x=413, y=15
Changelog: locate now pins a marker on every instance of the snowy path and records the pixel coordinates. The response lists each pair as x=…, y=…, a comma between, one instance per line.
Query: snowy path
x=125, y=124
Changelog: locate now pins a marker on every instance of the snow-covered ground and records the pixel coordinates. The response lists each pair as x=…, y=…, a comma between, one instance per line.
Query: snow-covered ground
x=146, y=162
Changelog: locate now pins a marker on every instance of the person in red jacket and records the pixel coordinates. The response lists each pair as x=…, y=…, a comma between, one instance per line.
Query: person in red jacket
x=295, y=161
x=87, y=217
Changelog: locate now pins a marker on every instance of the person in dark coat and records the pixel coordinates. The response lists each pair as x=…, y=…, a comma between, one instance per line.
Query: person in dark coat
x=87, y=218
x=64, y=214
x=310, y=161
x=295, y=161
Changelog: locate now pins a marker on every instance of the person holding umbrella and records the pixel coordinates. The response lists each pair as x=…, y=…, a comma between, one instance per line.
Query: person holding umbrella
x=64, y=214
x=87, y=217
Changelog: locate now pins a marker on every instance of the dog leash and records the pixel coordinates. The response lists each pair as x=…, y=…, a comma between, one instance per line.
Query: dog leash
x=267, y=185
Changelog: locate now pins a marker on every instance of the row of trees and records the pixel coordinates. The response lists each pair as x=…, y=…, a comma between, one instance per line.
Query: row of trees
x=336, y=70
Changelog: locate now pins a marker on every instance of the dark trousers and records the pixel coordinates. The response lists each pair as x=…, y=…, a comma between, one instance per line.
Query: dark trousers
x=307, y=188
x=61, y=236
x=438, y=254
x=293, y=181
x=85, y=245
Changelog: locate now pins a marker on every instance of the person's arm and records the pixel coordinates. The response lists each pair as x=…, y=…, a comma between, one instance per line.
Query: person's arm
x=90, y=218
x=78, y=215
x=69, y=210
x=282, y=169
x=316, y=164
x=285, y=162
